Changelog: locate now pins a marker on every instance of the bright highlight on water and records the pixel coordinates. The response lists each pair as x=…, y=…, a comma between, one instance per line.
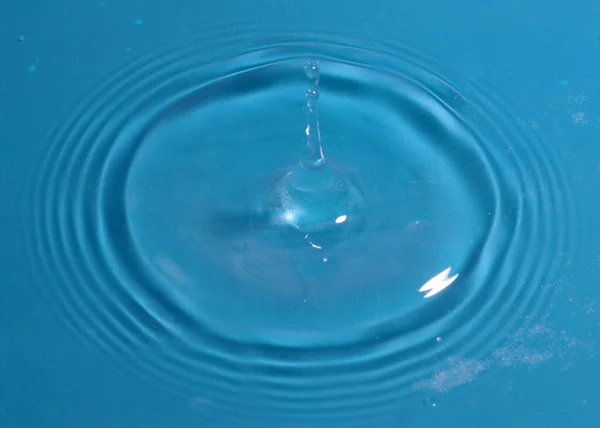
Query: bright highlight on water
x=438, y=283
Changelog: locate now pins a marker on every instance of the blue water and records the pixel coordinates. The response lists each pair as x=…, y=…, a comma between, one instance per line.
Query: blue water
x=152, y=275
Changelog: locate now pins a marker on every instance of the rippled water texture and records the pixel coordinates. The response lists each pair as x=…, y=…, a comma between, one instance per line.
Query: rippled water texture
x=154, y=225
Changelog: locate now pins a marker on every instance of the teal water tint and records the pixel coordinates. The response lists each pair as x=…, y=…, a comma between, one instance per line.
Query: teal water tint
x=168, y=261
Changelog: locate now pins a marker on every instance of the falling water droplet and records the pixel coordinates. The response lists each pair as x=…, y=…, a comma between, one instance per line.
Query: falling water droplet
x=311, y=69
x=312, y=96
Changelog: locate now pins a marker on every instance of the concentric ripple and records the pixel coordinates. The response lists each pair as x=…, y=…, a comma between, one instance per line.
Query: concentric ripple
x=147, y=221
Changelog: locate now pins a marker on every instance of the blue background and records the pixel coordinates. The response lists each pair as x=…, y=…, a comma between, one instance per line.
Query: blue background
x=543, y=56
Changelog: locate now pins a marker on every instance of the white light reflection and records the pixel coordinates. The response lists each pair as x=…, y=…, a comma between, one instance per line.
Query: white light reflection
x=437, y=283
x=341, y=219
x=290, y=216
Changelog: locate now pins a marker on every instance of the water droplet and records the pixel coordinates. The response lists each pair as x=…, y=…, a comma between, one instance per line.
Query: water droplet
x=312, y=95
x=311, y=69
